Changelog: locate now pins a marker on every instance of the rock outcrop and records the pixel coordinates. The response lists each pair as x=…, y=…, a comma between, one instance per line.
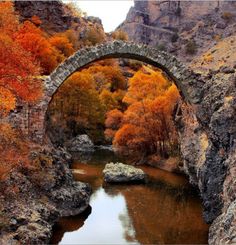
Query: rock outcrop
x=81, y=143
x=184, y=28
x=56, y=16
x=32, y=200
x=51, y=13
x=119, y=172
x=208, y=144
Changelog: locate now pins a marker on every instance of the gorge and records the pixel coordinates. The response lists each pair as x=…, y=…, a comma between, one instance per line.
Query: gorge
x=36, y=192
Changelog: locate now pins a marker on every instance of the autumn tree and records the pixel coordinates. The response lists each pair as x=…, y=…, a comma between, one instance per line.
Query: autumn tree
x=146, y=84
x=62, y=43
x=81, y=111
x=18, y=68
x=19, y=71
x=34, y=40
x=9, y=21
x=120, y=35
x=93, y=35
x=113, y=123
x=108, y=77
x=108, y=100
x=72, y=36
x=7, y=101
x=90, y=94
x=147, y=126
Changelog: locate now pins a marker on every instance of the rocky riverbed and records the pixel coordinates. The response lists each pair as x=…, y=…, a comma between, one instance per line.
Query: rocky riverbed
x=39, y=198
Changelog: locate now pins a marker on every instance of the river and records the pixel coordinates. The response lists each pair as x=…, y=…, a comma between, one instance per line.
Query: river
x=165, y=210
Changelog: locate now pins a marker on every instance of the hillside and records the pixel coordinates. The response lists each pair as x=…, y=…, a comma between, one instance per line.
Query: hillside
x=220, y=56
x=184, y=28
x=59, y=17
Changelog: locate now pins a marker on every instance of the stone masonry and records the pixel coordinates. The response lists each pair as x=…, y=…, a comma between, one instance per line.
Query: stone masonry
x=189, y=83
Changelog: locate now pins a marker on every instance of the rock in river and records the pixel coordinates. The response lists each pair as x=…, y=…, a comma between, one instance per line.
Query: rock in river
x=81, y=143
x=119, y=172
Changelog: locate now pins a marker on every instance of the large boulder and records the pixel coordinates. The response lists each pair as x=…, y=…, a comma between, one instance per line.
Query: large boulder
x=81, y=143
x=119, y=172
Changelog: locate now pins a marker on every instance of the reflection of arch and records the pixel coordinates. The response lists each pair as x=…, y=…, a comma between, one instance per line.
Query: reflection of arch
x=188, y=83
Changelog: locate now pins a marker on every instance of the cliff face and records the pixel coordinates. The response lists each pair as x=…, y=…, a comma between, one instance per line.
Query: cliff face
x=208, y=140
x=202, y=35
x=56, y=16
x=51, y=13
x=184, y=28
x=32, y=201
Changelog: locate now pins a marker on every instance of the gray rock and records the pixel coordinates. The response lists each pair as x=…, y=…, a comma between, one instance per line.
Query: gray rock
x=94, y=20
x=226, y=69
x=119, y=172
x=31, y=213
x=221, y=25
x=81, y=143
x=104, y=147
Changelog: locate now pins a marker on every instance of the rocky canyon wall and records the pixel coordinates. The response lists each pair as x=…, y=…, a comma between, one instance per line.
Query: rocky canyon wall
x=188, y=29
x=184, y=28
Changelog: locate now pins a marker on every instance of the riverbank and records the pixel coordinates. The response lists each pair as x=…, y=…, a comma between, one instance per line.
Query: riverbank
x=32, y=201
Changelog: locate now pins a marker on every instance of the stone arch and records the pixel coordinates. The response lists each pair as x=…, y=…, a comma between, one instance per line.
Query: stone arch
x=188, y=83
x=185, y=79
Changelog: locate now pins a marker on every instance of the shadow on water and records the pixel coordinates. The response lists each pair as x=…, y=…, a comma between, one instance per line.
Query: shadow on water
x=69, y=224
x=165, y=210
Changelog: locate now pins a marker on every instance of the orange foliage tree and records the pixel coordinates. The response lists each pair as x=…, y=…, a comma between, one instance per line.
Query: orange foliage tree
x=120, y=35
x=18, y=69
x=34, y=40
x=7, y=101
x=89, y=94
x=113, y=123
x=14, y=149
x=18, y=81
x=147, y=126
x=9, y=21
x=80, y=112
x=93, y=35
x=62, y=43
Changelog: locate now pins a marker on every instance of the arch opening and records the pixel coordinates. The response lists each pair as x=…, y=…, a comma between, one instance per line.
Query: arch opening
x=105, y=90
x=187, y=82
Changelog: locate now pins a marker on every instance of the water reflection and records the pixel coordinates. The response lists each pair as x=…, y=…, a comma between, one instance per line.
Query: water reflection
x=69, y=224
x=166, y=210
x=108, y=223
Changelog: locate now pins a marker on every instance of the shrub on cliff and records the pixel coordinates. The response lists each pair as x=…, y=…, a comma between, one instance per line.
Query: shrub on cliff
x=191, y=47
x=120, y=35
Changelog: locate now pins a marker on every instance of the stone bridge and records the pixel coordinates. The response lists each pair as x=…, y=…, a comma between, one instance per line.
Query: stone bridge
x=189, y=84
x=207, y=136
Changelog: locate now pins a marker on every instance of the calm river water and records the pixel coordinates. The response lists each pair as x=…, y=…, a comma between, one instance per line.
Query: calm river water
x=166, y=210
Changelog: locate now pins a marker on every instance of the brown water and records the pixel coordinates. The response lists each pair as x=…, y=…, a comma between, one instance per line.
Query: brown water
x=166, y=210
